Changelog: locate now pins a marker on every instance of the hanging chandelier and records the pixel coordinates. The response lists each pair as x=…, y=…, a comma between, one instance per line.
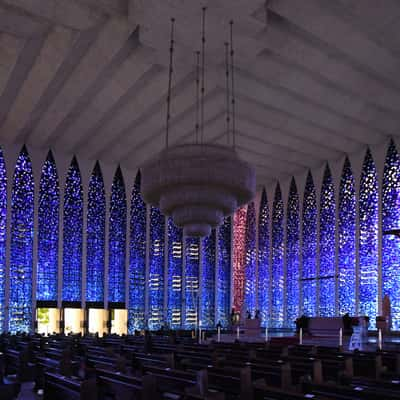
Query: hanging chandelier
x=199, y=184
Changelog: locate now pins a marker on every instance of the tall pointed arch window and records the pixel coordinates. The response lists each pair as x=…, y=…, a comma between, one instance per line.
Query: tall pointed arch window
x=223, y=275
x=156, y=269
x=137, y=260
x=117, y=240
x=72, y=234
x=263, y=260
x=3, y=237
x=95, y=241
x=207, y=281
x=277, y=260
x=175, y=264
x=250, y=291
x=327, y=227
x=21, y=257
x=292, y=256
x=48, y=224
x=239, y=259
x=347, y=238
x=368, y=240
x=309, y=250
x=192, y=265
x=391, y=243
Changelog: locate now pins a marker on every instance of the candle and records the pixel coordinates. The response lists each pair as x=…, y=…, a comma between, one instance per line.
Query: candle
x=380, y=339
x=301, y=336
x=340, y=337
x=237, y=333
x=219, y=334
x=266, y=334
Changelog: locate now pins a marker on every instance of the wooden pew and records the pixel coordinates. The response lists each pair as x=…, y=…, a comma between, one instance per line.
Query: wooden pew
x=57, y=386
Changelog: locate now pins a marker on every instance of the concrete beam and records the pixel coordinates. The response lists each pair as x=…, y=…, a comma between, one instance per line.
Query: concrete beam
x=101, y=53
x=46, y=65
x=68, y=13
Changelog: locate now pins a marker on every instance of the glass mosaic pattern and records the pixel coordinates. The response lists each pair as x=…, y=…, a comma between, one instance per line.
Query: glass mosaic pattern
x=48, y=225
x=95, y=239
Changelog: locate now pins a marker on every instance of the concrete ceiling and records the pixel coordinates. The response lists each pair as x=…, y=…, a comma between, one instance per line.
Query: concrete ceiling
x=315, y=78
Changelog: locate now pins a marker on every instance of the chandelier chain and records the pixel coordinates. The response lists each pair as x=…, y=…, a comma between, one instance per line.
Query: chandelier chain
x=203, y=64
x=197, y=95
x=233, y=88
x=228, y=116
x=171, y=56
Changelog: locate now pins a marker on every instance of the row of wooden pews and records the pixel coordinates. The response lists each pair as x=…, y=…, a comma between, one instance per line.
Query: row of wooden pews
x=131, y=367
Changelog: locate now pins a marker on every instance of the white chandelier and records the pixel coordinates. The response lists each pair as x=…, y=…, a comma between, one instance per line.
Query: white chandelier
x=201, y=183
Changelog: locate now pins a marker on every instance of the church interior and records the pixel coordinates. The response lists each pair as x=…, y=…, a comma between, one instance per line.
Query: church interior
x=199, y=199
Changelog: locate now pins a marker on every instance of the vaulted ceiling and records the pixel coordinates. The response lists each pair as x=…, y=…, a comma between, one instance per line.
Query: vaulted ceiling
x=314, y=78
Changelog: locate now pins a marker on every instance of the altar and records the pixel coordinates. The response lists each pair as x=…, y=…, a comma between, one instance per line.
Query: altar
x=252, y=327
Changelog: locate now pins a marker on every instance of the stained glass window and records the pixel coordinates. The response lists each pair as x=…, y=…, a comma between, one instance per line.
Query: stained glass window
x=192, y=264
x=117, y=240
x=72, y=234
x=263, y=260
x=239, y=257
x=346, y=247
x=391, y=243
x=22, y=212
x=96, y=216
x=223, y=283
x=137, y=260
x=250, y=291
x=3, y=235
x=368, y=241
x=48, y=223
x=175, y=261
x=207, y=281
x=156, y=269
x=292, y=256
x=277, y=260
x=327, y=224
x=309, y=250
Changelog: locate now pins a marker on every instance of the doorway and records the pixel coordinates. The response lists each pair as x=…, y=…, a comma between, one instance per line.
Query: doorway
x=73, y=320
x=119, y=321
x=48, y=320
x=97, y=321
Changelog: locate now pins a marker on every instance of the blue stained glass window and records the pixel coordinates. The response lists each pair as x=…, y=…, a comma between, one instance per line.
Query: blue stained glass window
x=175, y=261
x=156, y=269
x=223, y=289
x=72, y=238
x=292, y=256
x=3, y=234
x=277, y=260
x=48, y=223
x=263, y=260
x=250, y=291
x=117, y=240
x=207, y=281
x=309, y=250
x=327, y=224
x=391, y=243
x=192, y=257
x=137, y=260
x=368, y=244
x=96, y=218
x=346, y=247
x=22, y=212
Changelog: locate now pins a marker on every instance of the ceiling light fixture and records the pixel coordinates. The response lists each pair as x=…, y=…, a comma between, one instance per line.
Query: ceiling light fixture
x=199, y=184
